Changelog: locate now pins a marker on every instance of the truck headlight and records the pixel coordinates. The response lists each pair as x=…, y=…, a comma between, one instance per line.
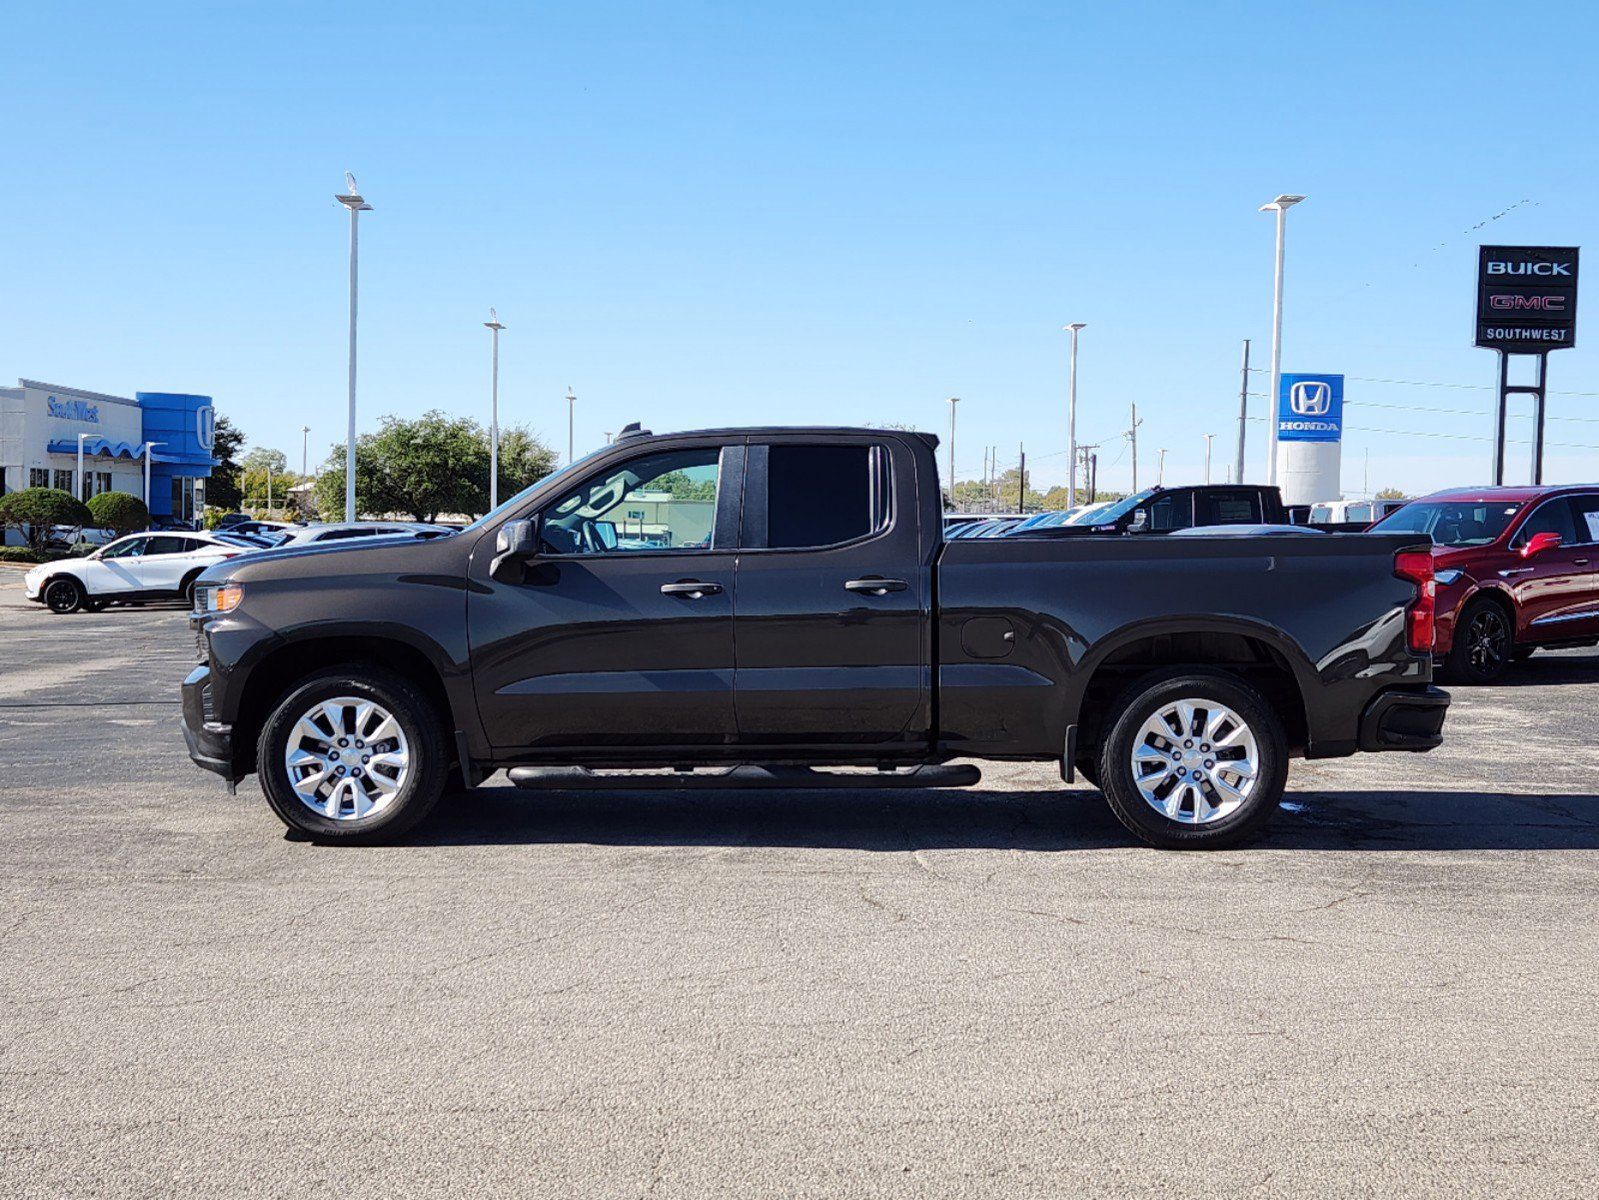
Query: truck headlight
x=223, y=598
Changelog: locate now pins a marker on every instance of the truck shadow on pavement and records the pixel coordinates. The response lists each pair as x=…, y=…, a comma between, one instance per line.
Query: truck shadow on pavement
x=980, y=819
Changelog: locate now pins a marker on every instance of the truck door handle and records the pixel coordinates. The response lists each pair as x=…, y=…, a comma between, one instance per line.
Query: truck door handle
x=692, y=588
x=1581, y=562
x=875, y=586
x=1513, y=571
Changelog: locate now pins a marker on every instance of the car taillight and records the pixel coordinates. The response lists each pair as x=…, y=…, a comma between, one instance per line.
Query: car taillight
x=1416, y=566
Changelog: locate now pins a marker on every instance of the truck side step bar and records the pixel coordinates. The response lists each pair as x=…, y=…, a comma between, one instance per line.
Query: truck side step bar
x=746, y=776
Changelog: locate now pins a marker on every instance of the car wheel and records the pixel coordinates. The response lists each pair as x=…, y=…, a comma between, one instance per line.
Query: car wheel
x=1195, y=761
x=1482, y=649
x=64, y=595
x=188, y=589
x=353, y=754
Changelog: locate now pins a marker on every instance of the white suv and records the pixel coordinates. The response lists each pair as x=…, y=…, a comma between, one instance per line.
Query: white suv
x=139, y=567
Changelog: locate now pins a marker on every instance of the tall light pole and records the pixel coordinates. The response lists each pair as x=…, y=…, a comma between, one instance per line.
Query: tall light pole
x=305, y=446
x=571, y=417
x=493, y=326
x=351, y=199
x=81, y=436
x=1280, y=206
x=953, y=401
x=1209, y=437
x=1071, y=418
x=148, y=446
x=1160, y=466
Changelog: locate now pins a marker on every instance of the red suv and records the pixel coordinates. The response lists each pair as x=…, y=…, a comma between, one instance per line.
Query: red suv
x=1516, y=568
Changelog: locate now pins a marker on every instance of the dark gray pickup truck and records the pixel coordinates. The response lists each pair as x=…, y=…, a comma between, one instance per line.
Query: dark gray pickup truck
x=751, y=607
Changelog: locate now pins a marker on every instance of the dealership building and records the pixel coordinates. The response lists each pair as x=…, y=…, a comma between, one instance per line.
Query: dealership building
x=43, y=425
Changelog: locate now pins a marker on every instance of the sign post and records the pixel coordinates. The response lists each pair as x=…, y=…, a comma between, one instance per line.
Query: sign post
x=1526, y=304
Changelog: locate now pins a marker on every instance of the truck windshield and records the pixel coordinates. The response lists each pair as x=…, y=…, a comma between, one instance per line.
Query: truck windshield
x=1120, y=509
x=1452, y=523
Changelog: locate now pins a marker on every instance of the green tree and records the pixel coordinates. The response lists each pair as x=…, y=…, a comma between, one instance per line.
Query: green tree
x=433, y=465
x=34, y=512
x=119, y=512
x=682, y=487
x=222, y=489
x=1390, y=493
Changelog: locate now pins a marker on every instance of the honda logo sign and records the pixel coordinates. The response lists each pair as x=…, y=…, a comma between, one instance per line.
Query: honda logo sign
x=1310, y=398
x=1526, y=298
x=1310, y=408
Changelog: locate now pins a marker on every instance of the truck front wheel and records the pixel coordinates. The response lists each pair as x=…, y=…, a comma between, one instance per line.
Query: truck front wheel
x=353, y=754
x=1194, y=761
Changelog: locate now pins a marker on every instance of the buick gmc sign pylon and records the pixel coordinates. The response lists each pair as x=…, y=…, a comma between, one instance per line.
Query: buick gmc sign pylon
x=1526, y=298
x=1526, y=304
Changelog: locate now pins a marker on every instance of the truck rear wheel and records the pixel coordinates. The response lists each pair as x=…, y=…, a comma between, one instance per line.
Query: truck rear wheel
x=353, y=754
x=1194, y=761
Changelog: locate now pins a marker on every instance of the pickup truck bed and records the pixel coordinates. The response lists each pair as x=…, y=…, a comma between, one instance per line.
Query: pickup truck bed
x=785, y=598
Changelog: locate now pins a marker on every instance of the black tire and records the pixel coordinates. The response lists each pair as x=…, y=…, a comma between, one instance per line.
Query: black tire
x=64, y=594
x=419, y=722
x=1142, y=702
x=1522, y=653
x=188, y=589
x=93, y=605
x=1484, y=640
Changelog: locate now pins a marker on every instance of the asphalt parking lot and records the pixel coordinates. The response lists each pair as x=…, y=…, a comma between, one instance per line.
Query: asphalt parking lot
x=988, y=992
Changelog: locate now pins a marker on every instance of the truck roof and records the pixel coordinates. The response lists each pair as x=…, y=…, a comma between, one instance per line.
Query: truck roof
x=756, y=430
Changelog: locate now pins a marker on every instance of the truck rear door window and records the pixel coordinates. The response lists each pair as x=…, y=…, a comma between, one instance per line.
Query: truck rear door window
x=822, y=495
x=1230, y=510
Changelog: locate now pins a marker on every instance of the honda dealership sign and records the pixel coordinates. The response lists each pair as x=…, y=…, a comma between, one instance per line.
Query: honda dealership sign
x=1310, y=408
x=1526, y=298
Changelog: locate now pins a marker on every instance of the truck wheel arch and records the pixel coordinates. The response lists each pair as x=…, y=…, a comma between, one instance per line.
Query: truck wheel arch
x=1260, y=654
x=285, y=663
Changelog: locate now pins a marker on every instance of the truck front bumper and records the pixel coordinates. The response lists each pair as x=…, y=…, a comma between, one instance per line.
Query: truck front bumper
x=210, y=742
x=1405, y=719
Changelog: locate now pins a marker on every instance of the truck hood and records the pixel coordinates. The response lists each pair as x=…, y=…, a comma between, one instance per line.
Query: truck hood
x=358, y=556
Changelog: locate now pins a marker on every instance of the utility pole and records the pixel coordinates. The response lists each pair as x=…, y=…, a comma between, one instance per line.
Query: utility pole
x=1243, y=411
x=1093, y=477
x=1209, y=437
x=1160, y=466
x=305, y=445
x=1132, y=436
x=1021, y=481
x=571, y=417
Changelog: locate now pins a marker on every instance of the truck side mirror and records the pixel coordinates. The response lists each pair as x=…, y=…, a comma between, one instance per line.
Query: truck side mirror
x=516, y=542
x=1539, y=542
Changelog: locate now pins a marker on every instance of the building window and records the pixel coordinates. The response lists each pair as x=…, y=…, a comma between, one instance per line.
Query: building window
x=102, y=482
x=63, y=481
x=38, y=477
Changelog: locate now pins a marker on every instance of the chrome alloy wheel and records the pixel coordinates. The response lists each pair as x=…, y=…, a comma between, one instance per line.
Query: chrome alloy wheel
x=1195, y=761
x=347, y=758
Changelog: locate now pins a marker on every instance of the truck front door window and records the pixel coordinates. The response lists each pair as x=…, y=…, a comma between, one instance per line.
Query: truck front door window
x=660, y=502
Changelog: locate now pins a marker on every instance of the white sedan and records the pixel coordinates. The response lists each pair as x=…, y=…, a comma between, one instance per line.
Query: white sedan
x=139, y=567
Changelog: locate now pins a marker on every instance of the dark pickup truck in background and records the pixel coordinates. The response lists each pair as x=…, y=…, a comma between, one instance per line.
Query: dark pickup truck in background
x=745, y=608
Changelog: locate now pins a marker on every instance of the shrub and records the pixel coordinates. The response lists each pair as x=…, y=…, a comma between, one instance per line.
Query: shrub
x=22, y=554
x=35, y=511
x=119, y=512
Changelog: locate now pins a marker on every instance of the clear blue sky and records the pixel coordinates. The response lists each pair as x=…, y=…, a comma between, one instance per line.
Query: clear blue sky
x=726, y=213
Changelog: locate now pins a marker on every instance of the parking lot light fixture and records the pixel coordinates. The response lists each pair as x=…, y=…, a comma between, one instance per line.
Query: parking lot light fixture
x=494, y=325
x=1280, y=206
x=953, y=401
x=352, y=199
x=571, y=411
x=81, y=436
x=1071, y=417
